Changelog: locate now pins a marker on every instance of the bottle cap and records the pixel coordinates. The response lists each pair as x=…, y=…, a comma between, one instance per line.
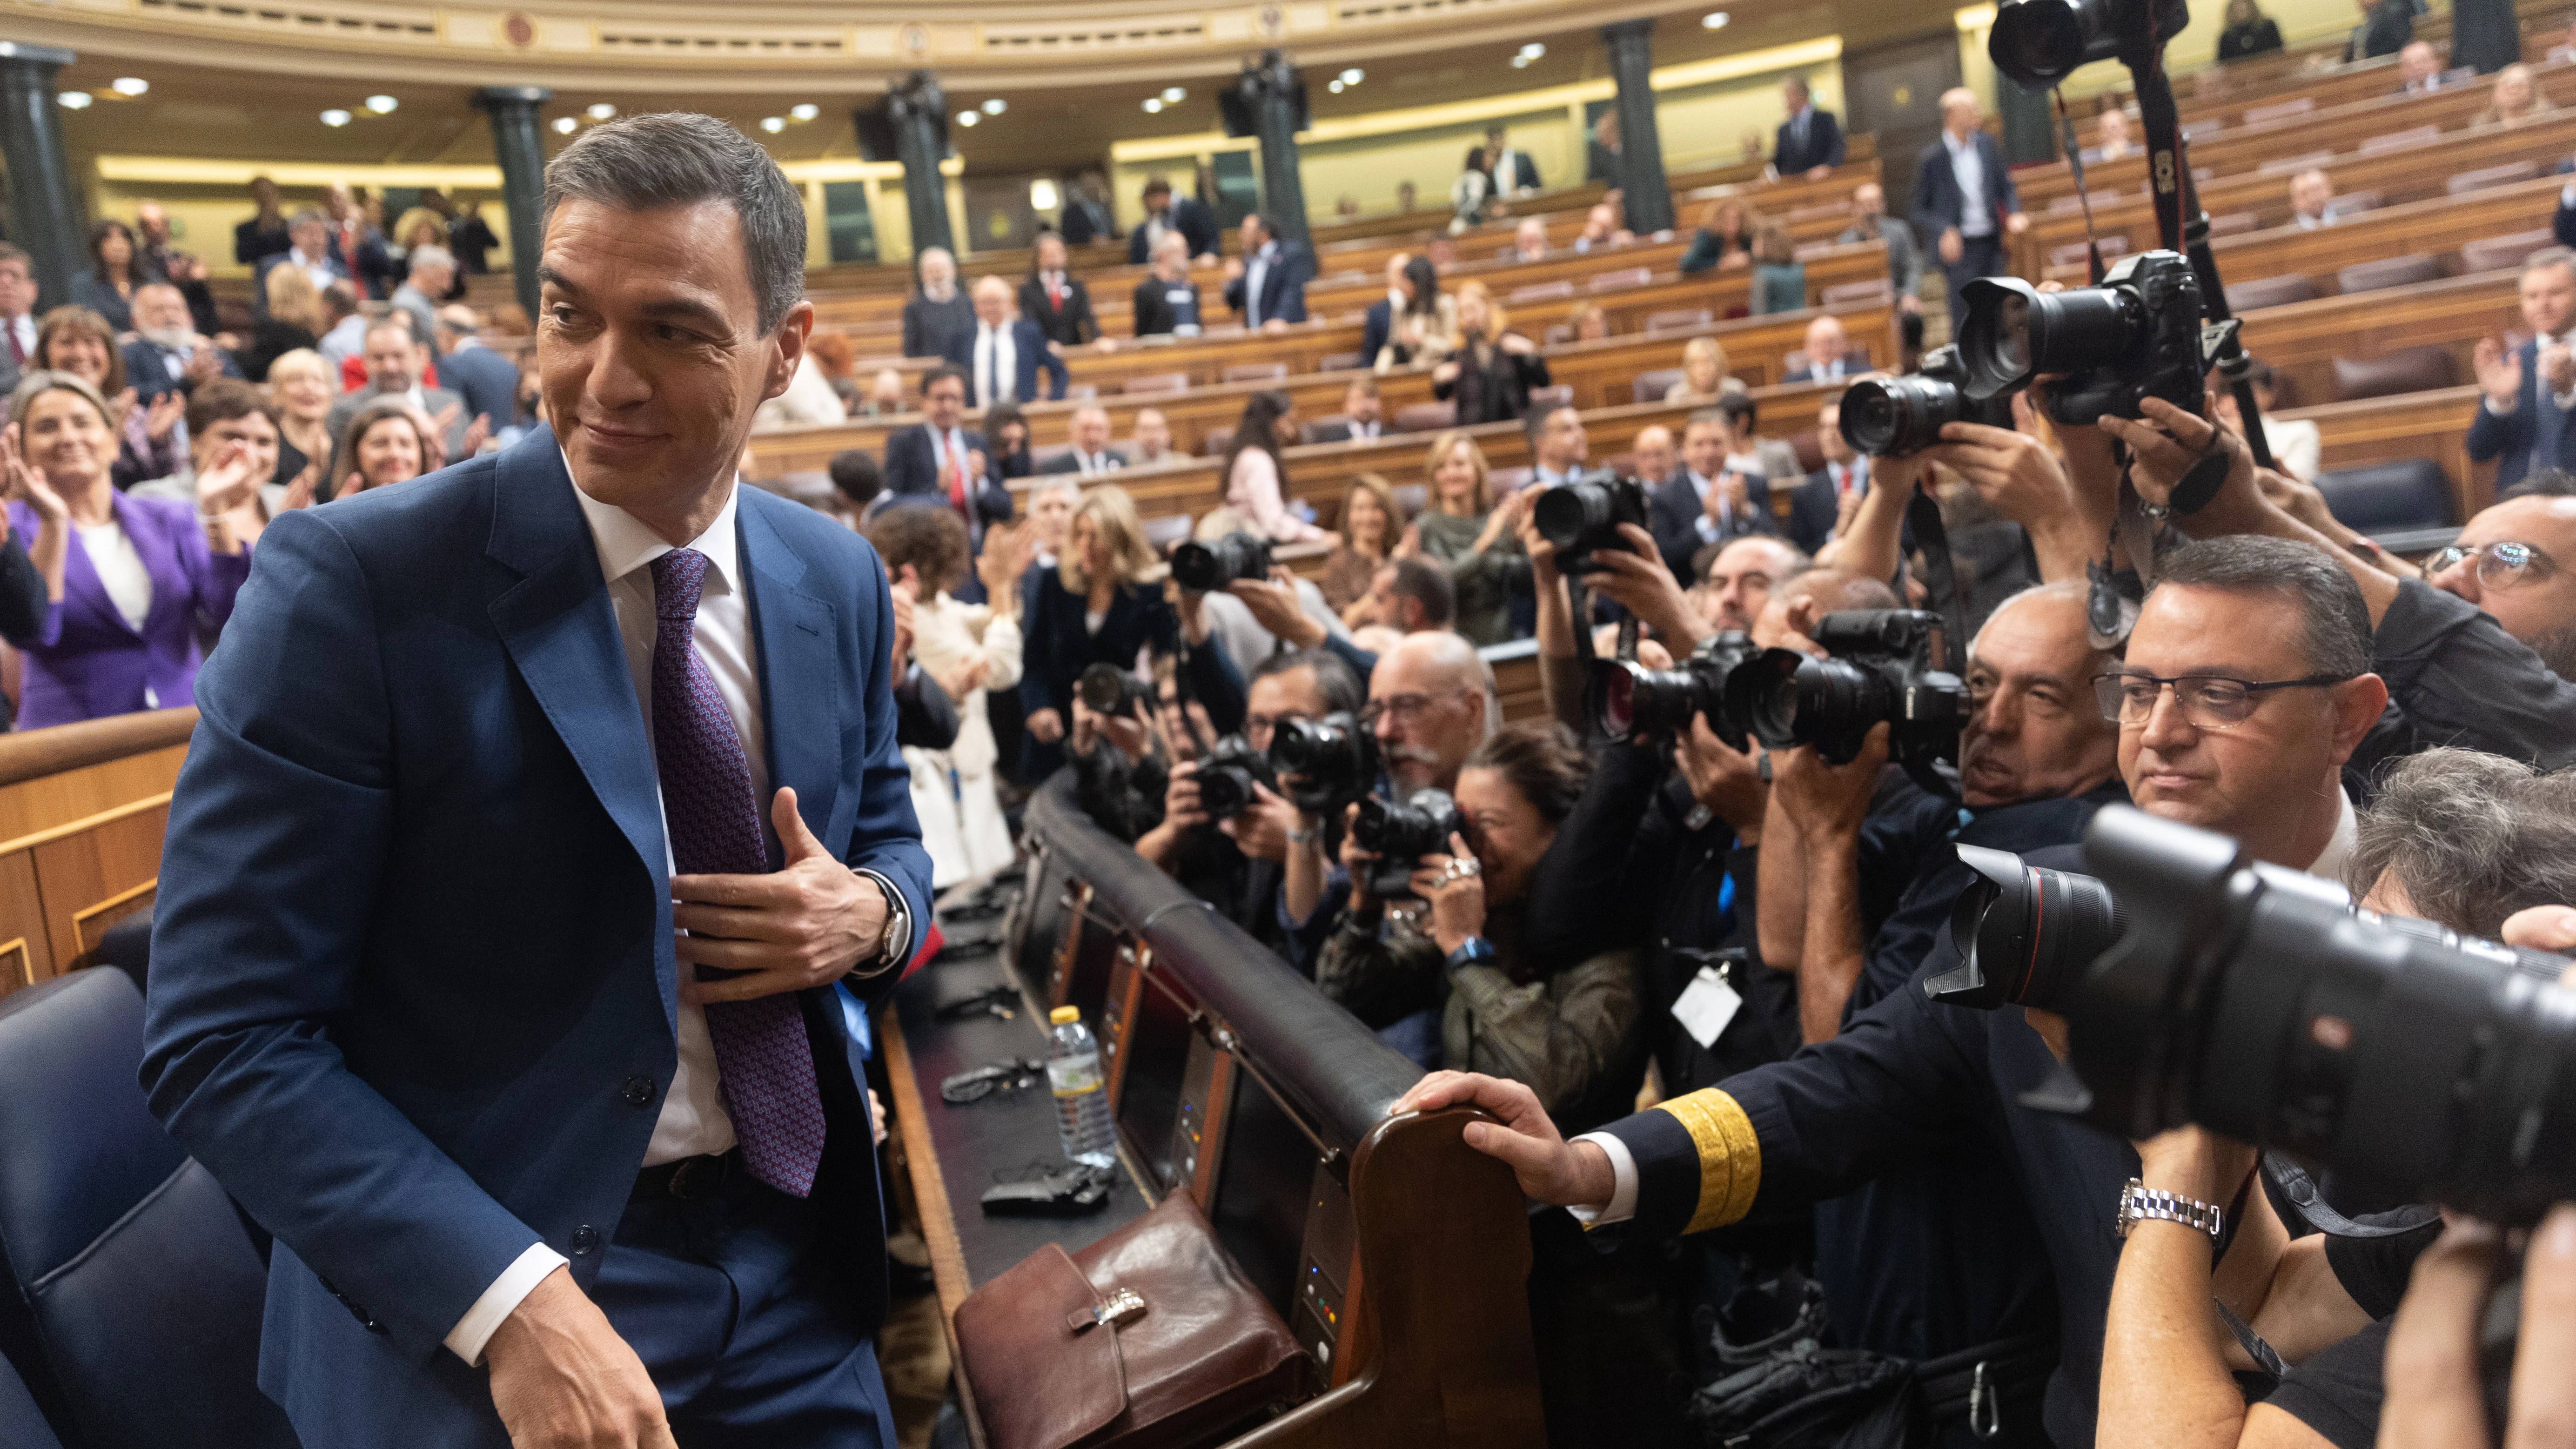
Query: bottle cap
x=1063, y=1014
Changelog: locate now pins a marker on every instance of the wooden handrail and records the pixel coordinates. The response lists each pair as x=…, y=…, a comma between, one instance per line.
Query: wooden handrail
x=34, y=754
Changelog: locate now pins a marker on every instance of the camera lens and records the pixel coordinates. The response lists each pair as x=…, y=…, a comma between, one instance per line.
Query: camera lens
x=1788, y=699
x=1402, y=833
x=1573, y=516
x=1205, y=567
x=1194, y=567
x=1298, y=746
x=1627, y=700
x=2037, y=42
x=2025, y=934
x=1103, y=689
x=2015, y=333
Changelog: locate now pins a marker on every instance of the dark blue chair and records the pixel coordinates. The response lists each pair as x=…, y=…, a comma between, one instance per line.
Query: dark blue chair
x=21, y=1426
x=2389, y=498
x=133, y=1296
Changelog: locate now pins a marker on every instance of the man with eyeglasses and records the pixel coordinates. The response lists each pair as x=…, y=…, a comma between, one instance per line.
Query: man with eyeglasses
x=1429, y=705
x=2246, y=687
x=2513, y=561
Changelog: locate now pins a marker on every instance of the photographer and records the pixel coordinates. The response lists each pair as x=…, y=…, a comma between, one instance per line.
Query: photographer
x=2464, y=839
x=1909, y=1079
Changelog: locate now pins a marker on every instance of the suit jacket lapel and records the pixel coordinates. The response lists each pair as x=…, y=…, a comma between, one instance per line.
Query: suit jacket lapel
x=560, y=631
x=798, y=667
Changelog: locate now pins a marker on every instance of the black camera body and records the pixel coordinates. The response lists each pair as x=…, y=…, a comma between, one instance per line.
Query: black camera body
x=1582, y=518
x=1227, y=774
x=1401, y=834
x=1334, y=760
x=1108, y=689
x=1898, y=416
x=2136, y=336
x=1626, y=700
x=1881, y=666
x=1206, y=567
x=2416, y=1064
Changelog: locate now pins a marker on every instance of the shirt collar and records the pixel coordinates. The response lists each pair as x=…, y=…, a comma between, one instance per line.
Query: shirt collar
x=2339, y=846
x=625, y=544
x=1955, y=144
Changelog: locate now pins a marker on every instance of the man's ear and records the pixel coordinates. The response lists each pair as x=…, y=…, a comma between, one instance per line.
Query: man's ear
x=2358, y=703
x=789, y=339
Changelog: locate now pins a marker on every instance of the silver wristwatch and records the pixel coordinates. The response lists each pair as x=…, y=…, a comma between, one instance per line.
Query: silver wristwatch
x=2138, y=1202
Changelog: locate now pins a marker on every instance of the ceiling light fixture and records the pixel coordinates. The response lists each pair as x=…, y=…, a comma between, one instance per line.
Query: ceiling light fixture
x=805, y=112
x=1354, y=76
x=1520, y=62
x=773, y=124
x=968, y=118
x=1713, y=20
x=1336, y=86
x=128, y=85
x=75, y=100
x=383, y=105
x=600, y=111
x=996, y=106
x=1153, y=105
x=1533, y=50
x=335, y=117
x=564, y=125
x=1043, y=195
x=1174, y=95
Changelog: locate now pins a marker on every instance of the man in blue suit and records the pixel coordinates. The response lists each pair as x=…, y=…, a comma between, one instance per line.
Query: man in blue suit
x=542, y=832
x=1166, y=213
x=944, y=460
x=1266, y=286
x=2530, y=391
x=1379, y=324
x=487, y=381
x=1811, y=140
x=1964, y=199
x=1002, y=356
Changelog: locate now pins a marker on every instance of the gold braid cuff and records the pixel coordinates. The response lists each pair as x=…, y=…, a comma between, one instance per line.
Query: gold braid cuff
x=1730, y=1156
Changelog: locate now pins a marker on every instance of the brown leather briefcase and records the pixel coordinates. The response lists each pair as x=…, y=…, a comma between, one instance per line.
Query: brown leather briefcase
x=1147, y=1339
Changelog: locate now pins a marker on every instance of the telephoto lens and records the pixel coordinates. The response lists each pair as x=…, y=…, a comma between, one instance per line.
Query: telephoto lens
x=1108, y=689
x=1227, y=775
x=1400, y=834
x=2024, y=933
x=1893, y=417
x=1206, y=567
x=1333, y=758
x=1582, y=519
x=1879, y=667
x=2415, y=1064
x=1626, y=700
x=2109, y=348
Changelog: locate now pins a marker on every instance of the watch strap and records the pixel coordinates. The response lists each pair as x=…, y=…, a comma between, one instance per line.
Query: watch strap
x=2139, y=1203
x=895, y=945
x=1474, y=951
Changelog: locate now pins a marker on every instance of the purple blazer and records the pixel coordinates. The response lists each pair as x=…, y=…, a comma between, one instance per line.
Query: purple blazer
x=83, y=661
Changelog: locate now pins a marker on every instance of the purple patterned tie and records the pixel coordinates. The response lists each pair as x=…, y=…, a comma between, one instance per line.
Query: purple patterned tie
x=763, y=1061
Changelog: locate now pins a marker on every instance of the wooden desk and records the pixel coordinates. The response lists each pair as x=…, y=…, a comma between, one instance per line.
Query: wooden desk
x=2439, y=226
x=82, y=810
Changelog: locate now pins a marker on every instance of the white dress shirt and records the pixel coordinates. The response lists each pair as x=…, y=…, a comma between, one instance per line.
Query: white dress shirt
x=1088, y=464
x=1507, y=173
x=1623, y=1164
x=997, y=364
x=316, y=268
x=1976, y=215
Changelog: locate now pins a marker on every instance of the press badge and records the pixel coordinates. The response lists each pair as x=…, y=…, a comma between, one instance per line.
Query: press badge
x=1707, y=1005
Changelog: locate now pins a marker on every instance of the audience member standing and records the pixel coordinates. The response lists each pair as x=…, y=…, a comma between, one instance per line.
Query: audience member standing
x=1870, y=222
x=970, y=650
x=2387, y=26
x=1101, y=604
x=1424, y=330
x=308, y=249
x=469, y=236
x=265, y=234
x=937, y=316
x=1464, y=530
x=1494, y=369
x=1055, y=299
x=427, y=272
x=1166, y=301
x=17, y=315
x=1166, y=214
x=1086, y=218
x=107, y=288
x=1266, y=286
x=1469, y=194
x=1256, y=474
x=2523, y=420
x=1513, y=171
x=1601, y=152
x=302, y=387
x=2249, y=32
x=1811, y=140
x=1003, y=355
x=356, y=241
x=1964, y=198
x=119, y=632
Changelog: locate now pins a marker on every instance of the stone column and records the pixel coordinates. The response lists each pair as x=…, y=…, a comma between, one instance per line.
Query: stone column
x=1271, y=89
x=44, y=208
x=513, y=113
x=1648, y=200
x=919, y=111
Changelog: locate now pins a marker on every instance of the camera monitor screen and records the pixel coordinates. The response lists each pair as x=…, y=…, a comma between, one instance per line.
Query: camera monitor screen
x=1261, y=1190
x=1149, y=1095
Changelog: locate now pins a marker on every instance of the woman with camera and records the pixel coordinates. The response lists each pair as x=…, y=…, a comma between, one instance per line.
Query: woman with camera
x=1101, y=604
x=1474, y=537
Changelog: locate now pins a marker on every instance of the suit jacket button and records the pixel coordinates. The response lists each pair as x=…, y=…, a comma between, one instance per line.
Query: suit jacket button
x=584, y=1239
x=638, y=1091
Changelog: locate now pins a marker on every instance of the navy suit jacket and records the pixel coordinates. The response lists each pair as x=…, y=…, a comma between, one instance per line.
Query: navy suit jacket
x=2514, y=439
x=414, y=997
x=1195, y=223
x=1937, y=198
x=1283, y=283
x=1029, y=349
x=487, y=381
x=912, y=466
x=1374, y=331
x=1677, y=512
x=150, y=378
x=1824, y=144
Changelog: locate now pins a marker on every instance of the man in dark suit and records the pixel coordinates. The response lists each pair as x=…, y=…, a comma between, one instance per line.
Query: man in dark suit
x=17, y=315
x=941, y=458
x=1055, y=299
x=1165, y=212
x=1266, y=286
x=2530, y=391
x=1086, y=216
x=308, y=246
x=264, y=235
x=2386, y=27
x=1819, y=500
x=1826, y=353
x=487, y=381
x=1964, y=199
x=1001, y=357
x=1601, y=153
x=1379, y=324
x=167, y=353
x=1363, y=418
x=590, y=719
x=1090, y=456
x=1810, y=141
x=1166, y=302
x=1677, y=509
x=1512, y=172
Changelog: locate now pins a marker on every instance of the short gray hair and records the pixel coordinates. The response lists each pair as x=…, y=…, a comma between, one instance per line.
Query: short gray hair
x=674, y=158
x=429, y=256
x=2470, y=837
x=2335, y=621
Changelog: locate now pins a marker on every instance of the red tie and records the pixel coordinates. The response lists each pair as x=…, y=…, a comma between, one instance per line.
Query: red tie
x=956, y=478
x=1055, y=293
x=17, y=350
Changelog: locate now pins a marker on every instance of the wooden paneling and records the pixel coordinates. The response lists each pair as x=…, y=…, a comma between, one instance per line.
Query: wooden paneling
x=30, y=957
x=89, y=873
x=82, y=811
x=2438, y=227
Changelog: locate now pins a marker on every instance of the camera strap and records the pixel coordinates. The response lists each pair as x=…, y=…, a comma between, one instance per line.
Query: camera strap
x=1940, y=577
x=2075, y=172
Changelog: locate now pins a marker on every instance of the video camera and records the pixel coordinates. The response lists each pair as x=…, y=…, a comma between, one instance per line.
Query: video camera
x=1108, y=689
x=2136, y=336
x=1206, y=567
x=1626, y=700
x=1881, y=667
x=2199, y=985
x=1400, y=834
x=1333, y=758
x=1583, y=518
x=1897, y=416
x=1227, y=775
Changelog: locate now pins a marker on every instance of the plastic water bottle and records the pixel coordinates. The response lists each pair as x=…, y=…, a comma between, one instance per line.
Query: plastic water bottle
x=1081, y=1100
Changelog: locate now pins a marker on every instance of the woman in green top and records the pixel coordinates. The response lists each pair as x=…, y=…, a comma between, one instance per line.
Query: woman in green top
x=1779, y=278
x=1477, y=541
